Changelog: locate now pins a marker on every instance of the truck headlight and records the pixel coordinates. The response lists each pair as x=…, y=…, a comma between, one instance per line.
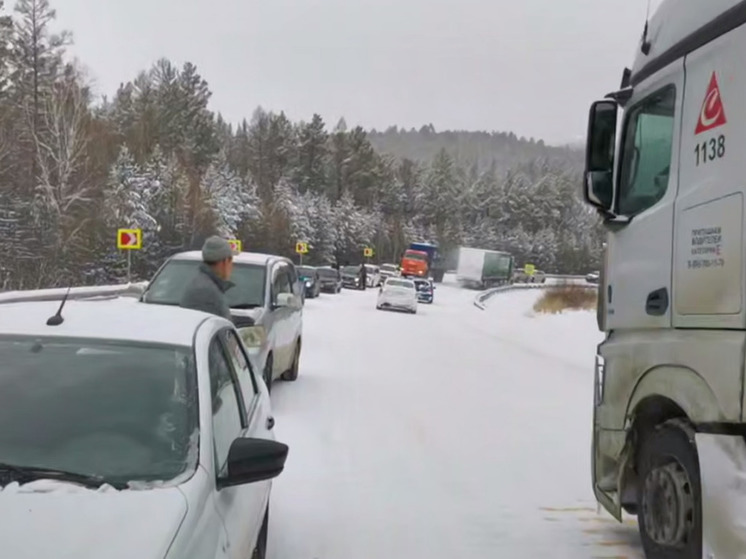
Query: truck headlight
x=253, y=336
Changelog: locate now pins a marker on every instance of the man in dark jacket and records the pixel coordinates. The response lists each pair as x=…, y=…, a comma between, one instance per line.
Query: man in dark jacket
x=206, y=292
x=363, y=277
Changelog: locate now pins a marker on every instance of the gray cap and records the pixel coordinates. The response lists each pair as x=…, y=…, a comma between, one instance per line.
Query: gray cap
x=216, y=249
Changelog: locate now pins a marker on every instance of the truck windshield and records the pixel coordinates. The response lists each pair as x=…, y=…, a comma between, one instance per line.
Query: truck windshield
x=415, y=256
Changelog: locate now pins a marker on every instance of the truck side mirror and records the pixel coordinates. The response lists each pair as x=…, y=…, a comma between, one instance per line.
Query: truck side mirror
x=598, y=189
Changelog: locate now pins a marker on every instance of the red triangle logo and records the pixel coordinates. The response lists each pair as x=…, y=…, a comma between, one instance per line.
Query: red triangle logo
x=712, y=113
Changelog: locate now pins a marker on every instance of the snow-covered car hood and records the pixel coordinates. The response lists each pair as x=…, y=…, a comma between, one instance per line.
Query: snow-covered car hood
x=53, y=519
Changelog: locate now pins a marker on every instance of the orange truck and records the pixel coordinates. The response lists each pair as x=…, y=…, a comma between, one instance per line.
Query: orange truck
x=415, y=263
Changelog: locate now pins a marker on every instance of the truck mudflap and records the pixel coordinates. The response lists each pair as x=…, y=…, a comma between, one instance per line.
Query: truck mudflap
x=722, y=470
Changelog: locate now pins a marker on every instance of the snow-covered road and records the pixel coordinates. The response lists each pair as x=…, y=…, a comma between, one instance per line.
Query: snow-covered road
x=453, y=433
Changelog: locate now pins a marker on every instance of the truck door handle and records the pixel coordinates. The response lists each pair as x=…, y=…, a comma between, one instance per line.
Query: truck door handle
x=270, y=423
x=657, y=302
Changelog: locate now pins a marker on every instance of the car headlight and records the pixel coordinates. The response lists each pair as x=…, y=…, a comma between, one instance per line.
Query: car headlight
x=309, y=284
x=253, y=336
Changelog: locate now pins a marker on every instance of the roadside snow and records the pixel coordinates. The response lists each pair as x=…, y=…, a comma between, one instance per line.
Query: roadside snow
x=451, y=433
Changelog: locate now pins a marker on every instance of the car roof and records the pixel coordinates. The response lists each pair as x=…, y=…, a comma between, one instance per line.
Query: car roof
x=118, y=318
x=240, y=258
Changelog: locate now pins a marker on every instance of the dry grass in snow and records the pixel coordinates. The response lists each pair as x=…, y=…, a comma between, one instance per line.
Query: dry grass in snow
x=566, y=297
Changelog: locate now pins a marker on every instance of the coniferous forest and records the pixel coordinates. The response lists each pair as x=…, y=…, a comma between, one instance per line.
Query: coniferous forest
x=74, y=168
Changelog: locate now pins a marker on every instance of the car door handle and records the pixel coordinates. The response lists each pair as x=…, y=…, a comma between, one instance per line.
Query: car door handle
x=657, y=302
x=270, y=423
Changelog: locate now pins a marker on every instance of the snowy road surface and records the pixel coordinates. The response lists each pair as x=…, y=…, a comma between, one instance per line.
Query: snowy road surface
x=453, y=433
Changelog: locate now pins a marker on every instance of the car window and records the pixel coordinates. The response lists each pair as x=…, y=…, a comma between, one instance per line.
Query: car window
x=174, y=278
x=228, y=417
x=241, y=366
x=281, y=282
x=648, y=141
x=125, y=411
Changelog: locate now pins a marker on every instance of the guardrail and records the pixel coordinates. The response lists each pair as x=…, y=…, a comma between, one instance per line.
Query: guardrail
x=483, y=296
x=84, y=292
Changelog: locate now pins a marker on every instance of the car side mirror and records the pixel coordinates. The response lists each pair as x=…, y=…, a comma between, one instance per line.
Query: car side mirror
x=284, y=300
x=252, y=460
x=598, y=188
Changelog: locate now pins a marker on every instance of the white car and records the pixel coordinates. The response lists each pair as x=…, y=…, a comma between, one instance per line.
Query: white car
x=389, y=271
x=130, y=430
x=398, y=293
x=373, y=275
x=266, y=306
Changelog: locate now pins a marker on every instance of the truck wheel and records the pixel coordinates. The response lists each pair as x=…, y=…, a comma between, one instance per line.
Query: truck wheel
x=669, y=495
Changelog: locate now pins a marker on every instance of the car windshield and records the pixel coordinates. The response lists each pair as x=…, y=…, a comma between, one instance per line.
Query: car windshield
x=371, y=269
x=350, y=270
x=328, y=272
x=400, y=283
x=388, y=268
x=173, y=279
x=305, y=271
x=124, y=412
x=415, y=256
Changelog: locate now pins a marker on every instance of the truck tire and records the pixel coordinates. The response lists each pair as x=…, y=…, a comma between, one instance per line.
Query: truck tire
x=669, y=494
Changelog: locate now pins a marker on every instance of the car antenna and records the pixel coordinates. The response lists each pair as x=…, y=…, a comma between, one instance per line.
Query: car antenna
x=56, y=319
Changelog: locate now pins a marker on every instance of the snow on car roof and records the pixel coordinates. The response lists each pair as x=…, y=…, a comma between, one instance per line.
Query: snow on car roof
x=241, y=258
x=120, y=319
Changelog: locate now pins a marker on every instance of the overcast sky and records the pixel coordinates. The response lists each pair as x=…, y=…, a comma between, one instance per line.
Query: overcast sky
x=527, y=66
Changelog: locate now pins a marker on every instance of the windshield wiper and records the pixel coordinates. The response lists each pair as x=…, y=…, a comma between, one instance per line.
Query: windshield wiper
x=26, y=474
x=245, y=306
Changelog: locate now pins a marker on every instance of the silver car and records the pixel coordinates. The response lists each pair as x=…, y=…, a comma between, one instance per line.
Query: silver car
x=266, y=305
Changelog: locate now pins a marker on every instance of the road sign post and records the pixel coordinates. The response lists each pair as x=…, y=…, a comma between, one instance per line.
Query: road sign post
x=129, y=240
x=301, y=248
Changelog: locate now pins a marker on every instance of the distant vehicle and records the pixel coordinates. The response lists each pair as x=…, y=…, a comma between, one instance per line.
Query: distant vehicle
x=521, y=276
x=481, y=268
x=413, y=263
x=398, y=293
x=265, y=303
x=330, y=279
x=593, y=277
x=309, y=277
x=159, y=404
x=352, y=277
x=389, y=271
x=373, y=275
x=425, y=290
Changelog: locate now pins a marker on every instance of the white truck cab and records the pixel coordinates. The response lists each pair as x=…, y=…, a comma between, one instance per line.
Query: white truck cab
x=666, y=168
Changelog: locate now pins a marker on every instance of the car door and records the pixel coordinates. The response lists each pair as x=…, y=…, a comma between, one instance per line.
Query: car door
x=241, y=506
x=638, y=282
x=281, y=283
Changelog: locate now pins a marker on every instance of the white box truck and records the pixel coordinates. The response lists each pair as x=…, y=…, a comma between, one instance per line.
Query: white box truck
x=665, y=168
x=480, y=268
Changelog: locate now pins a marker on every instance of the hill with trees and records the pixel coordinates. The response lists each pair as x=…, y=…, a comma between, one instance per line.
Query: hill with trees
x=155, y=156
